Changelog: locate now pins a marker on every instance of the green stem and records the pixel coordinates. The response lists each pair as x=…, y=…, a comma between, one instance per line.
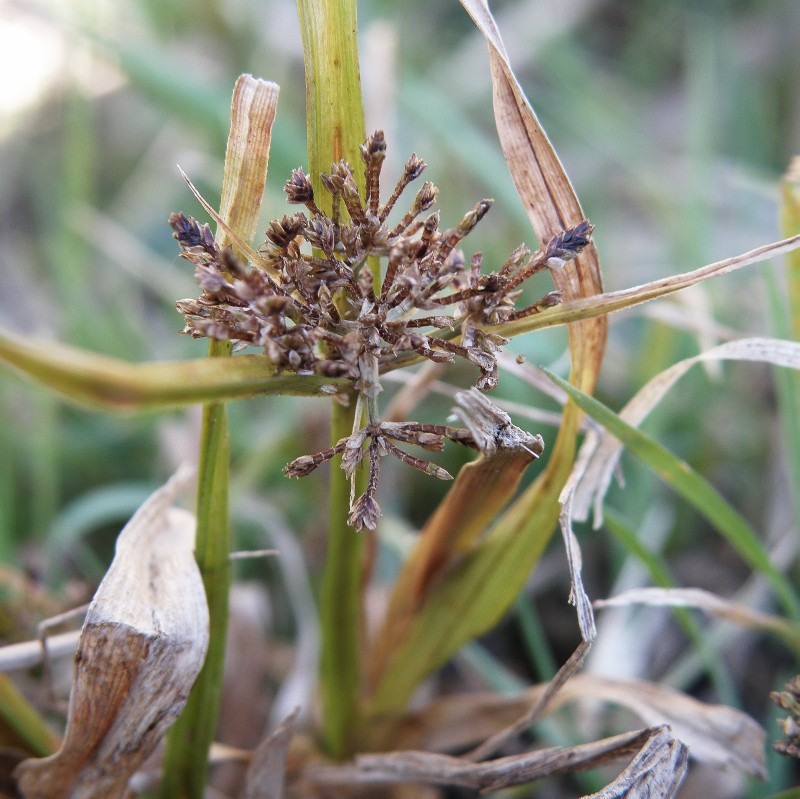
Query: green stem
x=335, y=122
x=186, y=758
x=334, y=110
x=340, y=609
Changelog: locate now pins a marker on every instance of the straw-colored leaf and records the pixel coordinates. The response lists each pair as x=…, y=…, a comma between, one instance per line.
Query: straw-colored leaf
x=603, y=452
x=253, y=110
x=709, y=603
x=603, y=304
x=111, y=384
x=142, y=646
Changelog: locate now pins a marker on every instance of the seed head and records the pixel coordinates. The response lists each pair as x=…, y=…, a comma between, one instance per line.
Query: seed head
x=314, y=302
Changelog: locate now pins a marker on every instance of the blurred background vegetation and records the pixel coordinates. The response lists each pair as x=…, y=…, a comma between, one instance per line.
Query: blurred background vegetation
x=675, y=121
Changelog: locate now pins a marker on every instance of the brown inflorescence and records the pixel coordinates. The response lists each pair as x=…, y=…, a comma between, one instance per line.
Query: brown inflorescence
x=313, y=304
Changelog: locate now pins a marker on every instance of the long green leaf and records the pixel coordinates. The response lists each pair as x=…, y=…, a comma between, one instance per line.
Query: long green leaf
x=112, y=384
x=340, y=610
x=694, y=489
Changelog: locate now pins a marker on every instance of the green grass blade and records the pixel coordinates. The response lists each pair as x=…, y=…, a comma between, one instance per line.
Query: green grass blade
x=246, y=160
x=694, y=489
x=21, y=723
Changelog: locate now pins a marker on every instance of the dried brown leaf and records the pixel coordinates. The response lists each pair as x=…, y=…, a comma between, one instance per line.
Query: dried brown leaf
x=504, y=772
x=546, y=193
x=715, y=734
x=142, y=646
x=657, y=771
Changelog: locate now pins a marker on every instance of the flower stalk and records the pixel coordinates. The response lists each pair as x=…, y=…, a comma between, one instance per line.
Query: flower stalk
x=335, y=125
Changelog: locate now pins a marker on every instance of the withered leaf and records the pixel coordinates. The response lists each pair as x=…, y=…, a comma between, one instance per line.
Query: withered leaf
x=142, y=646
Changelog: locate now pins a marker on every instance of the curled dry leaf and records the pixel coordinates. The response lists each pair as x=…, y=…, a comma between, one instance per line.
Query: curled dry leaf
x=142, y=646
x=601, y=453
x=578, y=595
x=658, y=770
x=716, y=734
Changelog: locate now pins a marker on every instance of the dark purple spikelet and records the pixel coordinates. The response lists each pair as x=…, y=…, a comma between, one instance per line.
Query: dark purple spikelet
x=568, y=245
x=190, y=234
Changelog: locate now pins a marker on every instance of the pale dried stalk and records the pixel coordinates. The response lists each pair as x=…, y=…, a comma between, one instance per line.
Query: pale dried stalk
x=665, y=768
x=600, y=305
x=706, y=601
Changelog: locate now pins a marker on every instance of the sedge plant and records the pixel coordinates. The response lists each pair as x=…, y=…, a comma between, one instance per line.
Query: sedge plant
x=362, y=280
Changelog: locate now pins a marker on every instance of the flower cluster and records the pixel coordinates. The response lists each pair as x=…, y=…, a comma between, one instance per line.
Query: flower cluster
x=314, y=301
